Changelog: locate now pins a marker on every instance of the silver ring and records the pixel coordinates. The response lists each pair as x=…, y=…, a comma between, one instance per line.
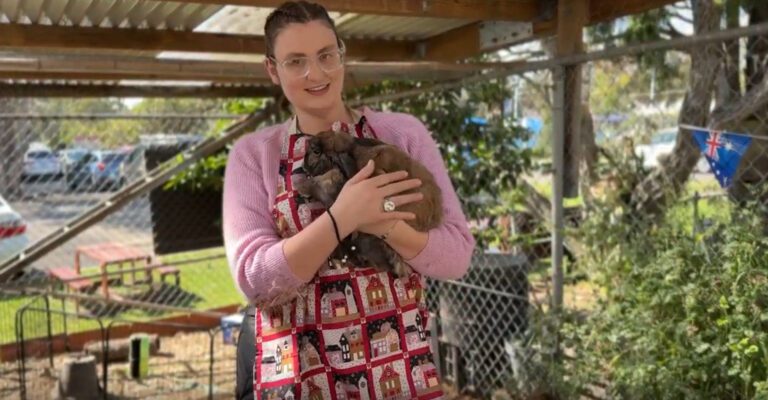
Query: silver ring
x=389, y=205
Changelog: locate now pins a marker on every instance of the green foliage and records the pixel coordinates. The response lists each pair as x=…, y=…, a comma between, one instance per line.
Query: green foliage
x=110, y=132
x=651, y=26
x=681, y=317
x=206, y=174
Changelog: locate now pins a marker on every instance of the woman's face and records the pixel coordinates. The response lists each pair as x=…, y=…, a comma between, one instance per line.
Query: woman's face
x=318, y=90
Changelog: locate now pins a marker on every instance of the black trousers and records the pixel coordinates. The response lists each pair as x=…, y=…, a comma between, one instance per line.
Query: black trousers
x=246, y=354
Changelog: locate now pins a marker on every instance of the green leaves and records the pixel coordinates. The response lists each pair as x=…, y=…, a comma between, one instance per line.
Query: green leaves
x=681, y=318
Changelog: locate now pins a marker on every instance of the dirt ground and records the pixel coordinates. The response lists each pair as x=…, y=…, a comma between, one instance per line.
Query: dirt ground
x=179, y=371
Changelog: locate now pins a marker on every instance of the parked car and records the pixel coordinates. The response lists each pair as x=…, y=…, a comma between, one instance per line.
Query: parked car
x=661, y=145
x=13, y=231
x=69, y=157
x=78, y=175
x=40, y=164
x=105, y=170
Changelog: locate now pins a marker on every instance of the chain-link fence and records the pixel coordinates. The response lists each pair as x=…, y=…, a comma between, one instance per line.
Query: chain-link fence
x=633, y=133
x=640, y=135
x=154, y=264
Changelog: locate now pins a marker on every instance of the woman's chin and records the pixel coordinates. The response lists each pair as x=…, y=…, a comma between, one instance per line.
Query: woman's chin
x=323, y=103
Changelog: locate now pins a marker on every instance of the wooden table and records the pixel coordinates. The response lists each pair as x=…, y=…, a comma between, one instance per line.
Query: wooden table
x=111, y=254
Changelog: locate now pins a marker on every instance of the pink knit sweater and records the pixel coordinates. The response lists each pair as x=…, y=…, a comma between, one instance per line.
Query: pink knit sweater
x=255, y=250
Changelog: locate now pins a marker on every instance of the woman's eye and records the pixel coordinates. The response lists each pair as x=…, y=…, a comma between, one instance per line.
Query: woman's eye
x=316, y=151
x=295, y=62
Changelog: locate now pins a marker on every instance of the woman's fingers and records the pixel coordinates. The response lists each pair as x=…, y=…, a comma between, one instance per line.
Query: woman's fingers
x=399, y=215
x=385, y=179
x=406, y=198
x=399, y=187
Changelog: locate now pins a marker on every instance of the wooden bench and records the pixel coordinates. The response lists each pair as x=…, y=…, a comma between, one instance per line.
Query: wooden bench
x=166, y=270
x=68, y=276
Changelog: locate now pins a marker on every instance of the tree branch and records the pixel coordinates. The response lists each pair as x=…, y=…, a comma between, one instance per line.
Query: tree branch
x=750, y=104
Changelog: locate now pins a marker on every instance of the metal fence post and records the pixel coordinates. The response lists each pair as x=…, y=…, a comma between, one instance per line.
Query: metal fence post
x=558, y=158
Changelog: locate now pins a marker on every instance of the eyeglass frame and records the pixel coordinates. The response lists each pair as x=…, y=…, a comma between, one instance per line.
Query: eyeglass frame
x=342, y=50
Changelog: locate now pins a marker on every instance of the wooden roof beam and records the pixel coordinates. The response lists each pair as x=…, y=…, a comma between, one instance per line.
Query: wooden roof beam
x=504, y=10
x=34, y=66
x=21, y=36
x=59, y=90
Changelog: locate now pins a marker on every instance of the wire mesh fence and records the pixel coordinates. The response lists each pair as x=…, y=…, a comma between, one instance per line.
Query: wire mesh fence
x=668, y=138
x=161, y=249
x=185, y=355
x=616, y=136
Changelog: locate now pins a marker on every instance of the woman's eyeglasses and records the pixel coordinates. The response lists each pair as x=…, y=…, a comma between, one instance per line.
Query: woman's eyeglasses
x=298, y=67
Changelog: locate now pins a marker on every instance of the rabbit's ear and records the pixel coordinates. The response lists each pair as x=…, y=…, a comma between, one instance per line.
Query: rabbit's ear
x=346, y=164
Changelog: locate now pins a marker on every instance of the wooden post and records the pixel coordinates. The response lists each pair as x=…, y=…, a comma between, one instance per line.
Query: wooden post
x=572, y=16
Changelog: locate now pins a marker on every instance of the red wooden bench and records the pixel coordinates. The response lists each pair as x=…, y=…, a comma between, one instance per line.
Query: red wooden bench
x=68, y=276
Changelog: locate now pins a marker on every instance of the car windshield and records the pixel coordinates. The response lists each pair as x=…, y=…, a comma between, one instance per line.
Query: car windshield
x=40, y=154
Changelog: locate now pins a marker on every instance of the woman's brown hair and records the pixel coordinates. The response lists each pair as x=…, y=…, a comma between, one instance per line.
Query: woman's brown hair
x=294, y=12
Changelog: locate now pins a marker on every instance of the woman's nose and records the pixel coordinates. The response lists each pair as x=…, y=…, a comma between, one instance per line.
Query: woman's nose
x=315, y=72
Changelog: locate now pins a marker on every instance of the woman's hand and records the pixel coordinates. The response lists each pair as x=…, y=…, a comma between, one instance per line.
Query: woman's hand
x=359, y=206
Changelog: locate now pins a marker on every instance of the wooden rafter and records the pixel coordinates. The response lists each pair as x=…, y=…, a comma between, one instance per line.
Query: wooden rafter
x=20, y=36
x=35, y=66
x=506, y=10
x=59, y=90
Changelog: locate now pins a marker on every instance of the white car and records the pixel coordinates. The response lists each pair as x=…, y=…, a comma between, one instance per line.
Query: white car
x=40, y=163
x=662, y=144
x=13, y=231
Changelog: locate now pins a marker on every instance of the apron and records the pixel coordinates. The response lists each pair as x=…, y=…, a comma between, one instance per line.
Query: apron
x=352, y=333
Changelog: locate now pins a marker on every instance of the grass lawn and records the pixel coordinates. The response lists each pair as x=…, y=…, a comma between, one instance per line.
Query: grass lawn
x=205, y=284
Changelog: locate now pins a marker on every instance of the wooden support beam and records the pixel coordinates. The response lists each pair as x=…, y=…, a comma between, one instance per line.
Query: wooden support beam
x=127, y=75
x=43, y=90
x=22, y=36
x=501, y=10
x=34, y=66
x=572, y=17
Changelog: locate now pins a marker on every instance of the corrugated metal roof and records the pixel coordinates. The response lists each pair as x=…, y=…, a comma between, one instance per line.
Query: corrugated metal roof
x=396, y=28
x=244, y=20
x=241, y=20
x=235, y=20
x=107, y=13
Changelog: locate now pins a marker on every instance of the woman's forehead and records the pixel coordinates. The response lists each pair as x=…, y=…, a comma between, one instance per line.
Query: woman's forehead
x=304, y=39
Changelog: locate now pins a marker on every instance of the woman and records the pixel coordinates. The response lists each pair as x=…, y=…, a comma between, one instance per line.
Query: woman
x=330, y=332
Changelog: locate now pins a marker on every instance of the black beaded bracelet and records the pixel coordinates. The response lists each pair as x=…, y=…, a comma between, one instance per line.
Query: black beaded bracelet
x=335, y=227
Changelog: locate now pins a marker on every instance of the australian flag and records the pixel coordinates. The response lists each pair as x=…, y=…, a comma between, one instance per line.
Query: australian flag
x=723, y=150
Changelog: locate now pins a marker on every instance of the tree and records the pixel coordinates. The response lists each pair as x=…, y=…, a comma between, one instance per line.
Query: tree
x=714, y=78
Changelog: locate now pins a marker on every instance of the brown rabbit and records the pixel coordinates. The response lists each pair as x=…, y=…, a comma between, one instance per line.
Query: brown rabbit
x=332, y=158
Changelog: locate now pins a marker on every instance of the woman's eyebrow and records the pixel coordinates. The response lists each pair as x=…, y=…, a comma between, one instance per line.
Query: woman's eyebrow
x=322, y=50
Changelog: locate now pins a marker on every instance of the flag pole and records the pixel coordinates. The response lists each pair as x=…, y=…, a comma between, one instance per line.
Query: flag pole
x=699, y=128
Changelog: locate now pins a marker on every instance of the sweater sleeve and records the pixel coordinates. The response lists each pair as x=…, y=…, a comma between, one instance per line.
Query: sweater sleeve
x=254, y=249
x=449, y=248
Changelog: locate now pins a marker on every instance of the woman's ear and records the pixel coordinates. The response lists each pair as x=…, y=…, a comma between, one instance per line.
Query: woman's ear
x=271, y=68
